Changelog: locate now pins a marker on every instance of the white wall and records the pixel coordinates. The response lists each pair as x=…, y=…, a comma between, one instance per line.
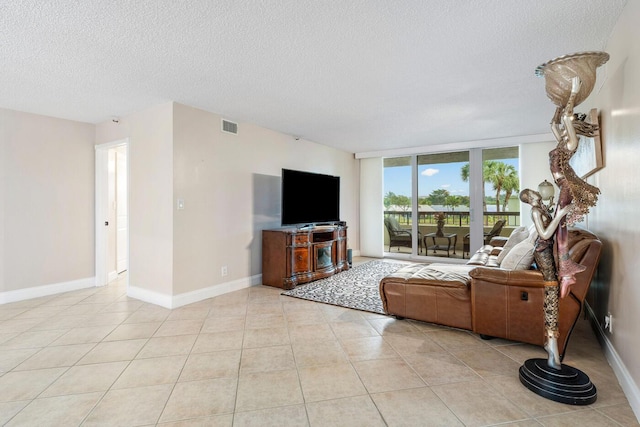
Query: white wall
x=371, y=207
x=46, y=188
x=150, y=134
x=615, y=218
x=230, y=185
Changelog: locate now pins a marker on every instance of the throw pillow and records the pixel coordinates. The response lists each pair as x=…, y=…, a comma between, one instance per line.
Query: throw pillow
x=520, y=257
x=517, y=236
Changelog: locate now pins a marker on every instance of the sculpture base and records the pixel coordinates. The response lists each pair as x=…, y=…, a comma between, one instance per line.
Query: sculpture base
x=567, y=385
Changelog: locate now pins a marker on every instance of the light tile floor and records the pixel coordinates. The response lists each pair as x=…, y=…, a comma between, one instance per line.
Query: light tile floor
x=96, y=357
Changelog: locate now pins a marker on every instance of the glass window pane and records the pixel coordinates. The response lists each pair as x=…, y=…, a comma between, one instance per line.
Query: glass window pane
x=397, y=204
x=501, y=174
x=443, y=199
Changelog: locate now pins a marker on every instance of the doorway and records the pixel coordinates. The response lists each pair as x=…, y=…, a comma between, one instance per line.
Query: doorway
x=112, y=211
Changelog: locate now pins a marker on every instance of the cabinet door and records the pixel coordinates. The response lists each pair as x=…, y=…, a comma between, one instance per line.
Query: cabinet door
x=324, y=255
x=300, y=260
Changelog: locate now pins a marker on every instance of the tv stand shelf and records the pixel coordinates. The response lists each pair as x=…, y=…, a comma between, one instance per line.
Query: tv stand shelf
x=291, y=256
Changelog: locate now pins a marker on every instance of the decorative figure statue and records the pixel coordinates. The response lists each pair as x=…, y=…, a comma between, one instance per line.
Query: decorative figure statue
x=575, y=193
x=543, y=254
x=569, y=80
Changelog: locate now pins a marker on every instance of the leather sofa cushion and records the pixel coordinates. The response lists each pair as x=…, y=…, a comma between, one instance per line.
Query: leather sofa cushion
x=441, y=275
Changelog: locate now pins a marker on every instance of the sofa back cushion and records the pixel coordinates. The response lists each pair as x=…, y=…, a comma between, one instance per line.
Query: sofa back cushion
x=520, y=257
x=517, y=236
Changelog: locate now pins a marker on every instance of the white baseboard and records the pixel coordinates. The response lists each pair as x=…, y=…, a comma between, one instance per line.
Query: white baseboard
x=175, y=301
x=46, y=290
x=630, y=388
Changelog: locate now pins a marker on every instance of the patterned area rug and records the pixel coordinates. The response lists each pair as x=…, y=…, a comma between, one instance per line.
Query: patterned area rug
x=356, y=288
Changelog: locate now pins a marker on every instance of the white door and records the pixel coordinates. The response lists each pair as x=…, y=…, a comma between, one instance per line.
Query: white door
x=122, y=244
x=105, y=251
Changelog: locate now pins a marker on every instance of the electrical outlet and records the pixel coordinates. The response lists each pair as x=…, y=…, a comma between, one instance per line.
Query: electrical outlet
x=608, y=323
x=224, y=271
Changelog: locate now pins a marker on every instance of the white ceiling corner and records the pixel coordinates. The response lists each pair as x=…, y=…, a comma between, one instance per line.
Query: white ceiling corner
x=358, y=75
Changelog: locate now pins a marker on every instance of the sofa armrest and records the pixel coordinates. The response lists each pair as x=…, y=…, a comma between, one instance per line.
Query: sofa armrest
x=508, y=304
x=498, y=241
x=501, y=276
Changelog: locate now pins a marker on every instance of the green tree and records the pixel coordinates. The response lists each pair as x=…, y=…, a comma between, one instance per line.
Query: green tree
x=487, y=165
x=398, y=200
x=452, y=202
x=498, y=173
x=511, y=185
x=438, y=197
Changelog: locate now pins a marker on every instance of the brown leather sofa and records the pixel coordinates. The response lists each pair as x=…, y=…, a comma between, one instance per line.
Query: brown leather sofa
x=490, y=301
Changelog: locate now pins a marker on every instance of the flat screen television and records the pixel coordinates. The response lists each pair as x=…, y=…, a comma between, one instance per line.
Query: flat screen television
x=309, y=198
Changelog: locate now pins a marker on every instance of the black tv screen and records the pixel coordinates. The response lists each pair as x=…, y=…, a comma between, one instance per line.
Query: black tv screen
x=309, y=198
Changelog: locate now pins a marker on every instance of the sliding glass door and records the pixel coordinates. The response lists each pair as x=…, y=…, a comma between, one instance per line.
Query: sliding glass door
x=443, y=202
x=447, y=204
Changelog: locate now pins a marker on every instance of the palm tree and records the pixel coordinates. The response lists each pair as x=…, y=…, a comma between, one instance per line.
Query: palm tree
x=501, y=175
x=487, y=167
x=511, y=184
x=497, y=174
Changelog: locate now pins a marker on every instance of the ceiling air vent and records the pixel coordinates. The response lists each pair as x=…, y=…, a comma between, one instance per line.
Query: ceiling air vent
x=229, y=127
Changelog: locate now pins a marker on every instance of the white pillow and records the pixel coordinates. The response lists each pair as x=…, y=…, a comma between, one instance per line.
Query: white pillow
x=517, y=236
x=520, y=257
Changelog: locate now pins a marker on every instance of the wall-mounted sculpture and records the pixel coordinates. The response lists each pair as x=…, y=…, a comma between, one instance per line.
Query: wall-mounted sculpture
x=569, y=80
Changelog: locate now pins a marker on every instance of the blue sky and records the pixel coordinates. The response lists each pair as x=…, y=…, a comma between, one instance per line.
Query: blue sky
x=432, y=177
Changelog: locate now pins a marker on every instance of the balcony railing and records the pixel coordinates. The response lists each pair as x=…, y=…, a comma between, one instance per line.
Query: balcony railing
x=456, y=219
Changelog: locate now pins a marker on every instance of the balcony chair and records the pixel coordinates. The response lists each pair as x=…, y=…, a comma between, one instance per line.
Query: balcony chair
x=399, y=236
x=495, y=231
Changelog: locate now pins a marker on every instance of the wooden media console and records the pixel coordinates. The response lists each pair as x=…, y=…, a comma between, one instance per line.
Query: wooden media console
x=291, y=256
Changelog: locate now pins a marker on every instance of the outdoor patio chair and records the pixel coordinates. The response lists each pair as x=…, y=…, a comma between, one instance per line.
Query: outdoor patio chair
x=399, y=236
x=495, y=231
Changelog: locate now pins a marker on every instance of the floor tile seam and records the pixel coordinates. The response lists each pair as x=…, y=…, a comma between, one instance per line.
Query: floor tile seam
x=89, y=342
x=235, y=401
x=608, y=417
x=511, y=399
x=184, y=382
x=304, y=399
x=384, y=337
x=406, y=362
x=48, y=385
x=344, y=353
x=287, y=405
x=164, y=406
x=18, y=413
x=541, y=418
x=435, y=391
x=386, y=423
x=110, y=388
x=306, y=404
x=361, y=380
x=499, y=349
x=478, y=374
x=63, y=366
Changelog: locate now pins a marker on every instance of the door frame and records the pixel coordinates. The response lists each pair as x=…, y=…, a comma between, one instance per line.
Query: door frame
x=102, y=207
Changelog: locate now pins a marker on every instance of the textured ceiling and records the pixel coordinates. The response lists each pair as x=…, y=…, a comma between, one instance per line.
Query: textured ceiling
x=360, y=75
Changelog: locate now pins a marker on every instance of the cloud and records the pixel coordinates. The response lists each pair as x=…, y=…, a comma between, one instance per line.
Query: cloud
x=445, y=185
x=430, y=172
